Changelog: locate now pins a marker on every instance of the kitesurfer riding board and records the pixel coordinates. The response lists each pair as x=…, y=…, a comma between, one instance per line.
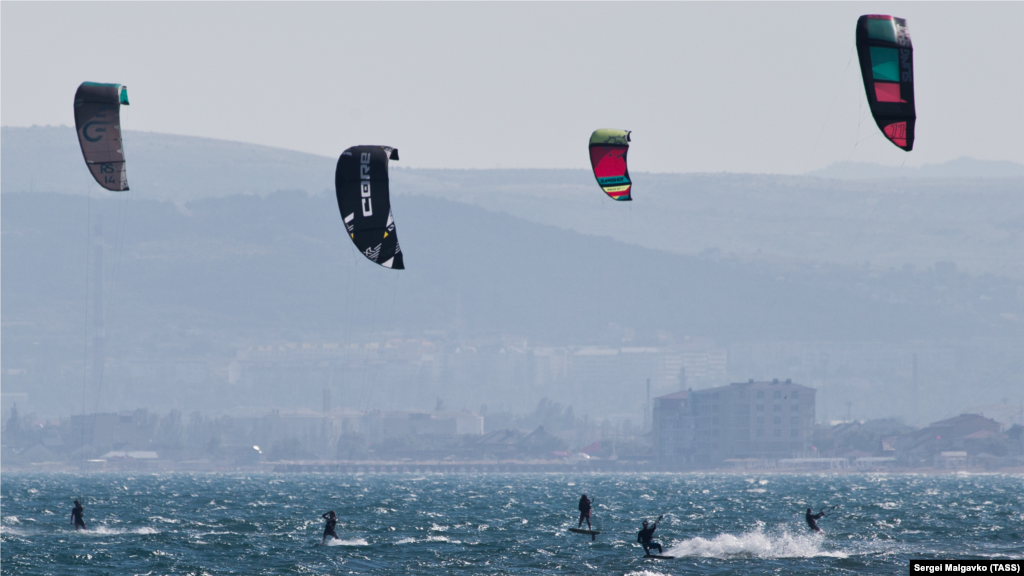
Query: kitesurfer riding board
x=812, y=518
x=77, y=516
x=645, y=537
x=332, y=522
x=585, y=506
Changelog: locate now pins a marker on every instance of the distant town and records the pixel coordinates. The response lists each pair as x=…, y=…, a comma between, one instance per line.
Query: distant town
x=753, y=425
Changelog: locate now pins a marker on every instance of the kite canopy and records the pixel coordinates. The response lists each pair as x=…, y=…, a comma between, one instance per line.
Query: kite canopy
x=98, y=122
x=361, y=182
x=608, y=149
x=887, y=65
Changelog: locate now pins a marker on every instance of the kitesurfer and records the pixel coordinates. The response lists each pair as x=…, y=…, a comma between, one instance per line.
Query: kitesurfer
x=645, y=535
x=76, y=516
x=332, y=521
x=584, y=512
x=812, y=518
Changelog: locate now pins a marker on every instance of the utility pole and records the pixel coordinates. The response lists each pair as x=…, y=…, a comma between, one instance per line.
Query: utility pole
x=647, y=408
x=913, y=392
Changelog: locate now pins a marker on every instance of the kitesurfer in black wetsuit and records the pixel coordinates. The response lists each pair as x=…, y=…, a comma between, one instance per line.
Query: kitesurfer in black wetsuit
x=812, y=519
x=76, y=516
x=332, y=521
x=584, y=512
x=645, y=535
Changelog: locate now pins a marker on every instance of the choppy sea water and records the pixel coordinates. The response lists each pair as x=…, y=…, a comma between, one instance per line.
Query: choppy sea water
x=501, y=523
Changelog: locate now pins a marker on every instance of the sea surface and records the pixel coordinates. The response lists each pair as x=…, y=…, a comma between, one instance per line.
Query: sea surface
x=509, y=524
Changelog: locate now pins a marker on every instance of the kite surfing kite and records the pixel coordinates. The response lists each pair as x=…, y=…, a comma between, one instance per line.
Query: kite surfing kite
x=361, y=182
x=608, y=149
x=98, y=122
x=887, y=65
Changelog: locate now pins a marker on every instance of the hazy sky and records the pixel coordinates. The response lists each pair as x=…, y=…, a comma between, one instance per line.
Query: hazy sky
x=744, y=87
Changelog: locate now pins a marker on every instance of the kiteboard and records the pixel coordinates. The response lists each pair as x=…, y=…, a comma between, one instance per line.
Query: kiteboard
x=658, y=556
x=593, y=533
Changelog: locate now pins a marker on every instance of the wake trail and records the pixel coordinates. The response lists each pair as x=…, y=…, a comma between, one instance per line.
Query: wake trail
x=105, y=531
x=755, y=544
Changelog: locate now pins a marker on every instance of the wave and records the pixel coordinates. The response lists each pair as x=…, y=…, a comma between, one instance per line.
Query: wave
x=104, y=530
x=350, y=542
x=755, y=544
x=428, y=539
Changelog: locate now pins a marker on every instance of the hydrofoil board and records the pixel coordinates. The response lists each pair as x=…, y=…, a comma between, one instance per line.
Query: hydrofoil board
x=593, y=533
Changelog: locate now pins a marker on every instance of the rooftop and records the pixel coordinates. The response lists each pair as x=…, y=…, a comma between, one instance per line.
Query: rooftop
x=956, y=420
x=753, y=383
x=681, y=395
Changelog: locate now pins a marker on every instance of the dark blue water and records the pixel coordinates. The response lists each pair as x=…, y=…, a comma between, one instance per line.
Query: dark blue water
x=501, y=524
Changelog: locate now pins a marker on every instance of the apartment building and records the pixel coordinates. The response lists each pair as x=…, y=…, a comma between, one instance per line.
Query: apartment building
x=763, y=420
x=673, y=428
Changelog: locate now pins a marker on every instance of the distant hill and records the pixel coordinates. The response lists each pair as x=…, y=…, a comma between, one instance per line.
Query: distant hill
x=962, y=168
x=978, y=224
x=282, y=262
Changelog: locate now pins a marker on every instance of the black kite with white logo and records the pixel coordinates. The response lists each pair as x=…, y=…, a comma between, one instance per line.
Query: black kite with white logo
x=364, y=199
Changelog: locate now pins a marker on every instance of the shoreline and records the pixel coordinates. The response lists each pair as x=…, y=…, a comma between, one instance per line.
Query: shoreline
x=373, y=467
